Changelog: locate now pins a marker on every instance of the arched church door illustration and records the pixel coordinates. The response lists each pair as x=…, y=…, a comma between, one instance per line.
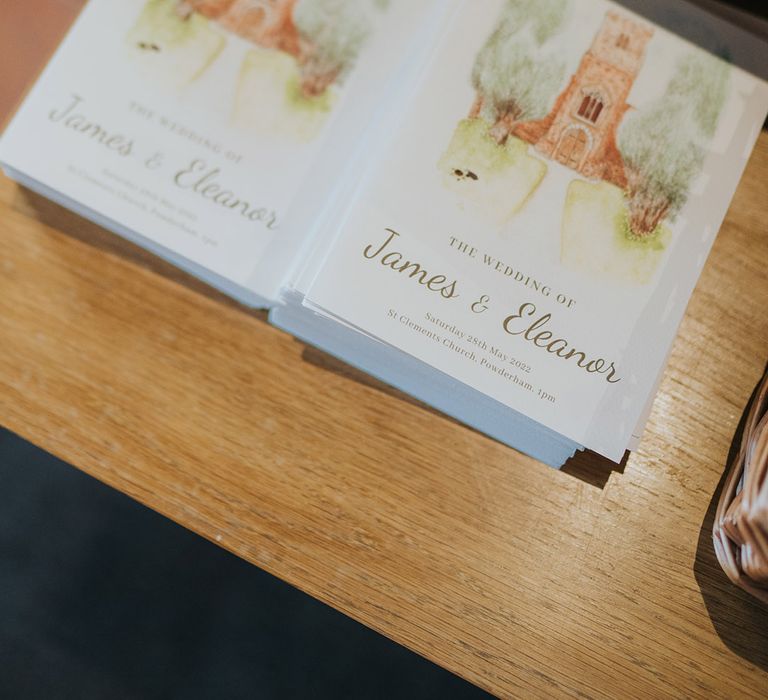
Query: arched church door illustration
x=573, y=145
x=256, y=14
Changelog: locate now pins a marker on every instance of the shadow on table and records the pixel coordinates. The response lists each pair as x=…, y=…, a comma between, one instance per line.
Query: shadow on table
x=68, y=222
x=585, y=466
x=592, y=468
x=740, y=620
x=104, y=598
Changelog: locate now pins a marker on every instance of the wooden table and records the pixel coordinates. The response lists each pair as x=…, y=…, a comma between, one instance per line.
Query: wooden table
x=591, y=582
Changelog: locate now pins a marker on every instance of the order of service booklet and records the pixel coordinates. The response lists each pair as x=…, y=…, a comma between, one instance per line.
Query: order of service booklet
x=498, y=206
x=188, y=126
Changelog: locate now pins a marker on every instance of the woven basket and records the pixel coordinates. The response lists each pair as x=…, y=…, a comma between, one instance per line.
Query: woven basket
x=741, y=522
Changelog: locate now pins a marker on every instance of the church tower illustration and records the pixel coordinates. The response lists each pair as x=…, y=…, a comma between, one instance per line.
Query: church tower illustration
x=580, y=131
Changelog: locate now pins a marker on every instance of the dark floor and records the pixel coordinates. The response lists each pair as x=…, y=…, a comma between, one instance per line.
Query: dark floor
x=103, y=598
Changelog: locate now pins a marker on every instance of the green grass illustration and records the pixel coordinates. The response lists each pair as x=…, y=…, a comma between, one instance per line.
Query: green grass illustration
x=596, y=236
x=498, y=179
x=171, y=49
x=270, y=99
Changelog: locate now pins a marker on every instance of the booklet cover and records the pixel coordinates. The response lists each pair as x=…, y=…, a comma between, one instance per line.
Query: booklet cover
x=534, y=221
x=191, y=124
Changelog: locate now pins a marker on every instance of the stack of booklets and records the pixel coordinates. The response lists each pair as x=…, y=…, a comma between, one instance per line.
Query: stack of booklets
x=500, y=207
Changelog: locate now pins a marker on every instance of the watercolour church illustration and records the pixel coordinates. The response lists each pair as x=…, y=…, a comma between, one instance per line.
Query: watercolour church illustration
x=293, y=61
x=632, y=166
x=271, y=24
x=580, y=130
x=267, y=23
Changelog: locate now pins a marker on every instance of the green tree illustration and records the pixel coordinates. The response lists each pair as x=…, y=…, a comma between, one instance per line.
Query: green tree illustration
x=664, y=145
x=514, y=78
x=333, y=32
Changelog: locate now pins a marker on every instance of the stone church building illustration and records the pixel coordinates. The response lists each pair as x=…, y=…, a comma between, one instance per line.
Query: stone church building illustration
x=580, y=130
x=267, y=23
x=270, y=24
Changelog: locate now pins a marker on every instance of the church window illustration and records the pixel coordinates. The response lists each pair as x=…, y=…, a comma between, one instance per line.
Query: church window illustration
x=591, y=106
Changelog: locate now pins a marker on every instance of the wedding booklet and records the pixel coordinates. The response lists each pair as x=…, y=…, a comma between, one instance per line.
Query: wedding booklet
x=521, y=242
x=188, y=126
x=499, y=206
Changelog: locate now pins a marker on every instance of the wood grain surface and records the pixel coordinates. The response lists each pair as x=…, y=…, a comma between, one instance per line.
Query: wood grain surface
x=525, y=580
x=595, y=581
